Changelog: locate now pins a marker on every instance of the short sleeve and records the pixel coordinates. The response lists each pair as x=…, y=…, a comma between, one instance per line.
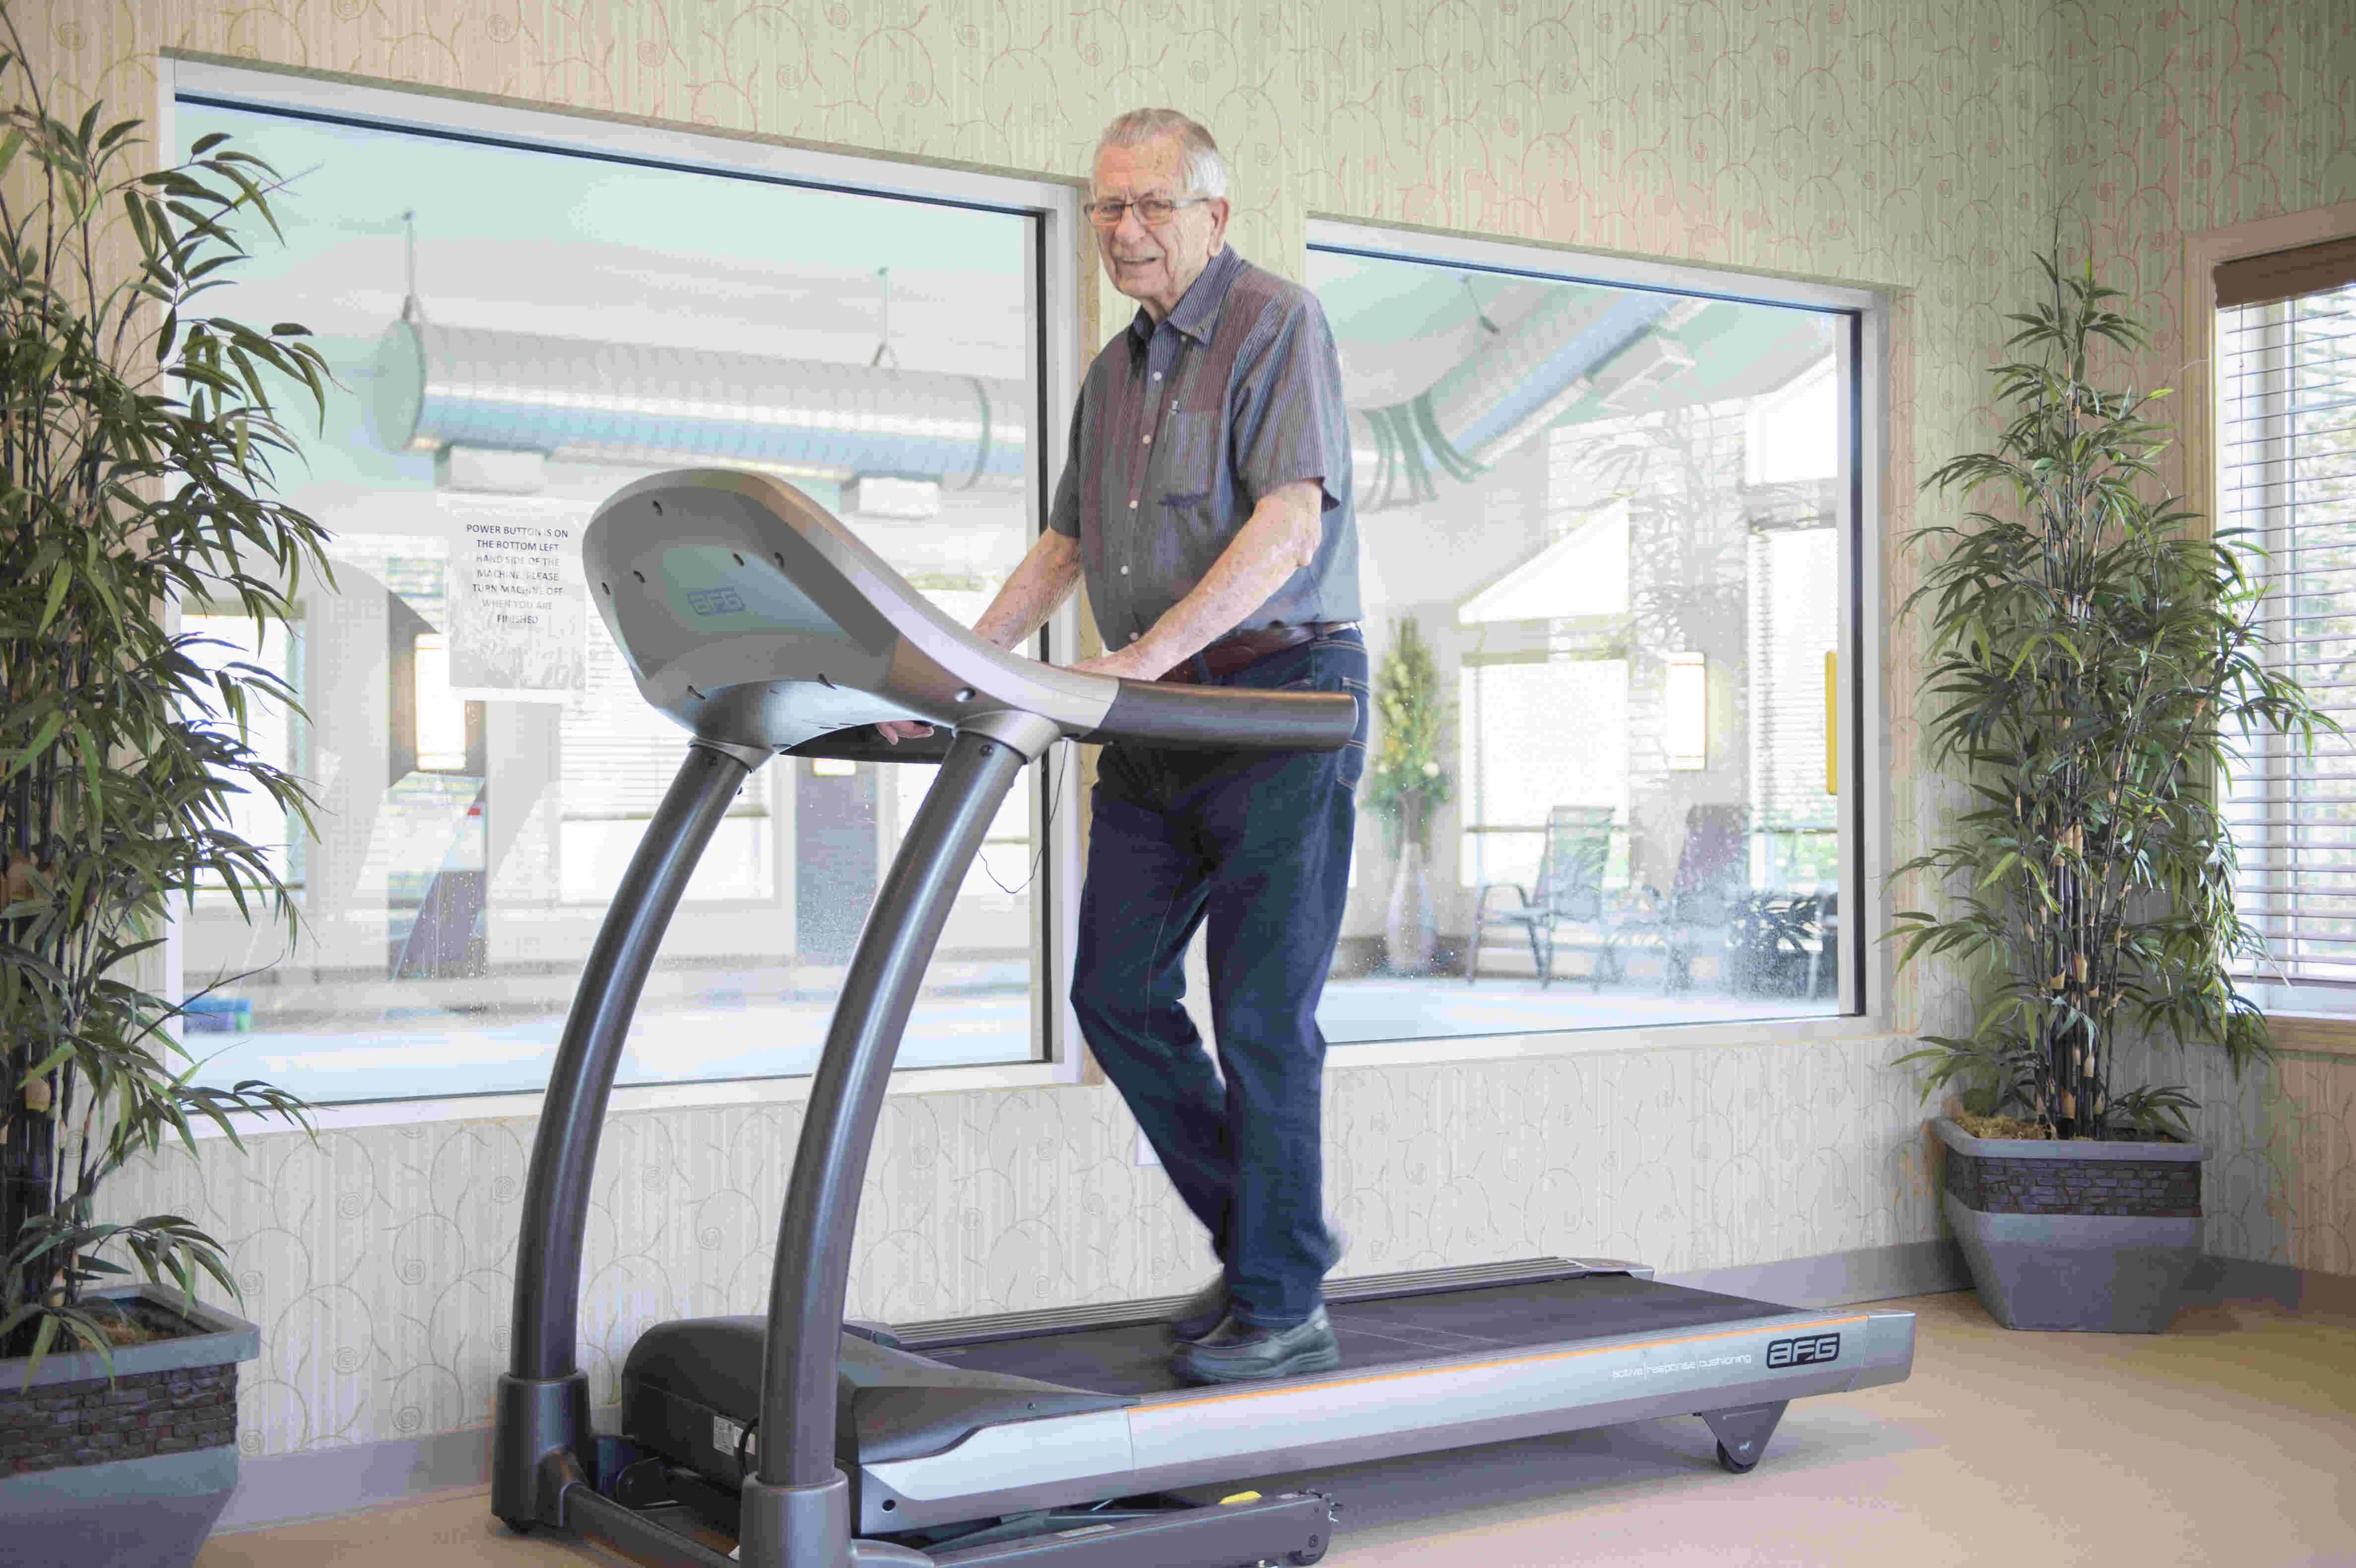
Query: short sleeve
x=1291, y=424
x=1063, y=512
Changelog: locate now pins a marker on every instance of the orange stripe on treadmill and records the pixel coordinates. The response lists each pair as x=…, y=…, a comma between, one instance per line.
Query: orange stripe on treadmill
x=1514, y=1362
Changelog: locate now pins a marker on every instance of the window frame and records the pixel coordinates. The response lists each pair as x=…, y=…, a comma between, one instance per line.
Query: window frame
x=2199, y=433
x=1065, y=258
x=1064, y=247
x=1864, y=753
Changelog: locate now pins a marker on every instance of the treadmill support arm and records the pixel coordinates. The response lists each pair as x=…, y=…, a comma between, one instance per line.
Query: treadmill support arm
x=812, y=1267
x=543, y=1400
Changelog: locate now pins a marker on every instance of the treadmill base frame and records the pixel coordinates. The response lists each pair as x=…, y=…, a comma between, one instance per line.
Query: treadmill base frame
x=535, y=1421
x=651, y=1510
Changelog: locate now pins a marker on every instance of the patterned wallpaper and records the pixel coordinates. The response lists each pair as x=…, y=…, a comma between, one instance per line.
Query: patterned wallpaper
x=2206, y=116
x=2176, y=118
x=1919, y=146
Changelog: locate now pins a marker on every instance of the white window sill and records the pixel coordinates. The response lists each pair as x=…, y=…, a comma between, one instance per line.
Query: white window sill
x=630, y=1099
x=1593, y=1042
x=1345, y=1057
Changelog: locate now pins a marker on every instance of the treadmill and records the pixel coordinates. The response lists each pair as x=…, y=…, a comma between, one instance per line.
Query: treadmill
x=1050, y=1439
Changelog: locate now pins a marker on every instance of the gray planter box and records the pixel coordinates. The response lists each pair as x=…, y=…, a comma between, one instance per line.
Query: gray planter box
x=2094, y=1237
x=131, y=1474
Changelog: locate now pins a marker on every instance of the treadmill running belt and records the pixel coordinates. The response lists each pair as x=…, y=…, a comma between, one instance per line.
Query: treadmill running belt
x=1135, y=1359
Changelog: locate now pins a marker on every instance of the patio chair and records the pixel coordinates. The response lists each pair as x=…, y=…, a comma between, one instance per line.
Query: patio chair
x=1825, y=957
x=1568, y=892
x=1713, y=874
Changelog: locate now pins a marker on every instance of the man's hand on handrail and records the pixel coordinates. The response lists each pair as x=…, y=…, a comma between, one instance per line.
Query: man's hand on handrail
x=1281, y=538
x=1122, y=665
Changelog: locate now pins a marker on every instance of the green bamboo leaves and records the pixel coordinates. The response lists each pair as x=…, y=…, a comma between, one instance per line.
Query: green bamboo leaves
x=137, y=438
x=2095, y=662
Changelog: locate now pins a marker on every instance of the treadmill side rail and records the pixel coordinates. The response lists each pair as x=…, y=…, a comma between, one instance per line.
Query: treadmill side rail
x=1889, y=1355
x=964, y=1331
x=1614, y=1266
x=1633, y=1378
x=1212, y=1436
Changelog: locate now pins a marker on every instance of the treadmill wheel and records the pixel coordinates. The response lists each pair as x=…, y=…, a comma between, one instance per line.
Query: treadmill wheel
x=1738, y=1466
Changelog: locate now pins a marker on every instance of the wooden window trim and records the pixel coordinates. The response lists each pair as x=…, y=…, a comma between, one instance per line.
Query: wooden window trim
x=2203, y=252
x=2313, y=1035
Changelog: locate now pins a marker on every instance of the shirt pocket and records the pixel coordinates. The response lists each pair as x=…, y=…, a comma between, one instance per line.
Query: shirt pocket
x=1190, y=456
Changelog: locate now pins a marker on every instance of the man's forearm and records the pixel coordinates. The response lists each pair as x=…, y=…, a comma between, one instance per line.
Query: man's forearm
x=1281, y=539
x=1041, y=582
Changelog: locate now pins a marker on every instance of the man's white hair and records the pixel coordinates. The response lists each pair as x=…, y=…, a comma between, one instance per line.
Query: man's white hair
x=1207, y=171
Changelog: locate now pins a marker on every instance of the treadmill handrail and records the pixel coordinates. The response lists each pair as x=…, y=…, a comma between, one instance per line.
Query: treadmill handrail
x=894, y=645
x=1150, y=713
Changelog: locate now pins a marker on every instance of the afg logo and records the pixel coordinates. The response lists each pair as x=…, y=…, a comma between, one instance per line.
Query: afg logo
x=1814, y=1350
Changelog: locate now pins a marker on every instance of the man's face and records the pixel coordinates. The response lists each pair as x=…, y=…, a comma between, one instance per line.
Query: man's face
x=1155, y=267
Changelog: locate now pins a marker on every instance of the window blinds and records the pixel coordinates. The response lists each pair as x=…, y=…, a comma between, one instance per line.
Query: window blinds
x=1795, y=622
x=2287, y=473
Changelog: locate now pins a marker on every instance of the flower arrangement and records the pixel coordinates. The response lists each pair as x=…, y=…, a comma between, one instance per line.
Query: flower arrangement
x=1407, y=779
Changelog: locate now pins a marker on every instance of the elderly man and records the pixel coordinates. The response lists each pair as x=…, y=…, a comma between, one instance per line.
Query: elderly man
x=1207, y=501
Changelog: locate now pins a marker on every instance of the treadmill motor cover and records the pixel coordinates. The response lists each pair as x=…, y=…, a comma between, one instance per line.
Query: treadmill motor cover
x=691, y=1390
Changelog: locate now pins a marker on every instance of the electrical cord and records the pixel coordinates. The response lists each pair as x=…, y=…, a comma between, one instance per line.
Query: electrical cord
x=1054, y=792
x=743, y=1443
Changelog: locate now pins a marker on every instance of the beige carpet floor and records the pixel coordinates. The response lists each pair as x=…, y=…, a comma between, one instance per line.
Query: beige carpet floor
x=2230, y=1440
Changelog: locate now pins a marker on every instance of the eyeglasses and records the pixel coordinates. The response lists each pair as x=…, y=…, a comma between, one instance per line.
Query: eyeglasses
x=1152, y=211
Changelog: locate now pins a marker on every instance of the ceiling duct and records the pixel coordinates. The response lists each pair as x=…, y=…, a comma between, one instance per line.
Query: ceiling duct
x=442, y=387
x=1516, y=384
x=437, y=387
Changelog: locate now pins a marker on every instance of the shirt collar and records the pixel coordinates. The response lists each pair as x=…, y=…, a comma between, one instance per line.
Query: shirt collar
x=1197, y=314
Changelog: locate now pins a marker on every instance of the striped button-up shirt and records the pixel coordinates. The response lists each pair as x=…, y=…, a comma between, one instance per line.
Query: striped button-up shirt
x=1184, y=425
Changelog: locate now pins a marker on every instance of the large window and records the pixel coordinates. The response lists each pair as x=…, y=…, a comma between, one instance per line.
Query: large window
x=1623, y=510
x=2285, y=422
x=517, y=325
x=1625, y=514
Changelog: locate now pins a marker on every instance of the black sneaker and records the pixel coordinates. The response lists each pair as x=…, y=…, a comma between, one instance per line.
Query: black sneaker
x=1203, y=1312
x=1239, y=1352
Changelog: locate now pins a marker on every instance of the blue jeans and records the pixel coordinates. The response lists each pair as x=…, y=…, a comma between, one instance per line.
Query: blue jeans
x=1259, y=844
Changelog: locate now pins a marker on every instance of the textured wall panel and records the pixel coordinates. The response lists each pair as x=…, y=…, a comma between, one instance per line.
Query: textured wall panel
x=1921, y=147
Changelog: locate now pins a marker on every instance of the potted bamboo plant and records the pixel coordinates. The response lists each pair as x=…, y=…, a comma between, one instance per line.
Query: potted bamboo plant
x=2094, y=661
x=1404, y=786
x=136, y=435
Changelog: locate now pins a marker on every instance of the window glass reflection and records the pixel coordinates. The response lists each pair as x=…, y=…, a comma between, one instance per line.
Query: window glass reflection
x=1616, y=516
x=484, y=763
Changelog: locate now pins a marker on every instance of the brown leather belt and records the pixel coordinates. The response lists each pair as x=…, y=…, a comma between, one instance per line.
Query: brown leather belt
x=1234, y=652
